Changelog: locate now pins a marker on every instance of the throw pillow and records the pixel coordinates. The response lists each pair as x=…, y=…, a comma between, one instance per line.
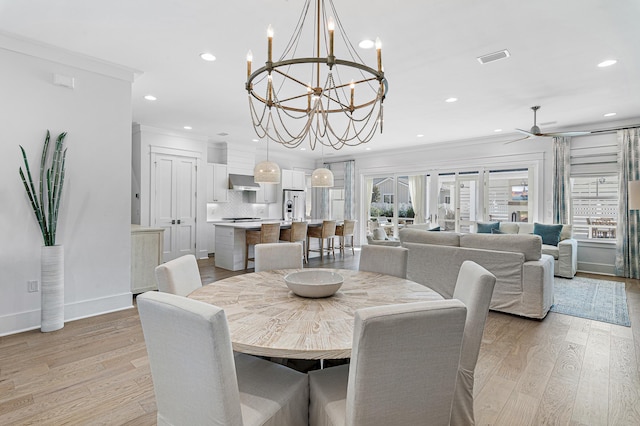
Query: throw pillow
x=550, y=233
x=486, y=227
x=437, y=228
x=497, y=231
x=379, y=234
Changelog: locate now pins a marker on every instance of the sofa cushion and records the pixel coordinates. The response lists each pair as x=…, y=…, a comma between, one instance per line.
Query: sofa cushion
x=497, y=231
x=567, y=232
x=486, y=227
x=550, y=233
x=379, y=234
x=509, y=227
x=425, y=237
x=551, y=250
x=529, y=245
x=525, y=228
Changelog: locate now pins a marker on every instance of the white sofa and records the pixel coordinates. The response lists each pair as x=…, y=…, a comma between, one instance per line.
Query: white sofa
x=524, y=275
x=565, y=254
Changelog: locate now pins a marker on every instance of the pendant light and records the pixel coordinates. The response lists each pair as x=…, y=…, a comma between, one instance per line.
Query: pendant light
x=267, y=171
x=322, y=177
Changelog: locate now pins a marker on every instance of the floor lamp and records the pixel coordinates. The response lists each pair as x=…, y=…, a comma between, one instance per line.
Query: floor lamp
x=634, y=195
x=633, y=200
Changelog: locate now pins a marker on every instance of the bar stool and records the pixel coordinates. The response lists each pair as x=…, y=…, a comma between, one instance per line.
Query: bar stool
x=325, y=232
x=345, y=231
x=268, y=233
x=297, y=233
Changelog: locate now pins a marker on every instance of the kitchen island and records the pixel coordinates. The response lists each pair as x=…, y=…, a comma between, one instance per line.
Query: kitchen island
x=230, y=241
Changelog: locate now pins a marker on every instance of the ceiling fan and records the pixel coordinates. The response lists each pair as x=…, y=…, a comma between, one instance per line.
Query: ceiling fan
x=535, y=130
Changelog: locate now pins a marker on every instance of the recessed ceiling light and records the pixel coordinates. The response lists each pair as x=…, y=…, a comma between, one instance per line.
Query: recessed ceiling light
x=607, y=63
x=303, y=149
x=367, y=44
x=150, y=98
x=420, y=136
x=610, y=114
x=188, y=127
x=254, y=140
x=367, y=149
x=451, y=100
x=207, y=56
x=497, y=130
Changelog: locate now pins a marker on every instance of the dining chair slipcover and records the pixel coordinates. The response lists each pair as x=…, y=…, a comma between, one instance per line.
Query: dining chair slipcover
x=199, y=381
x=179, y=276
x=402, y=372
x=474, y=288
x=384, y=260
x=278, y=256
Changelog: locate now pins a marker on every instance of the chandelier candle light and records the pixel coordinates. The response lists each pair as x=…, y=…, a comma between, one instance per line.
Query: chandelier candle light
x=287, y=108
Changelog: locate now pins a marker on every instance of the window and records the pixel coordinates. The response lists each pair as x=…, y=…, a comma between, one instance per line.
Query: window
x=594, y=207
x=508, y=195
x=387, y=198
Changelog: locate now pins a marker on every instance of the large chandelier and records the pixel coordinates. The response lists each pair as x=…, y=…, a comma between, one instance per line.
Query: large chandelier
x=321, y=98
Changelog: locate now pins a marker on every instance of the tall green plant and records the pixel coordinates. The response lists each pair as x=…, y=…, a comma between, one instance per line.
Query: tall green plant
x=46, y=202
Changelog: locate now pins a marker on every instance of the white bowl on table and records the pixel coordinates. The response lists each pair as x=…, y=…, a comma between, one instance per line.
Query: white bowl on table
x=314, y=283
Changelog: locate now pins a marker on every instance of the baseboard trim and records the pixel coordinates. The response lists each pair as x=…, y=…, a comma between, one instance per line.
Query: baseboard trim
x=30, y=320
x=596, y=268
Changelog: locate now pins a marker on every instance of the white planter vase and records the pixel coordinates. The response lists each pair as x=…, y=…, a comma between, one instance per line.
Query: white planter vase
x=52, y=278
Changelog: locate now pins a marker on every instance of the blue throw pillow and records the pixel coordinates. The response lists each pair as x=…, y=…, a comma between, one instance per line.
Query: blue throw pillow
x=437, y=228
x=497, y=231
x=486, y=227
x=550, y=233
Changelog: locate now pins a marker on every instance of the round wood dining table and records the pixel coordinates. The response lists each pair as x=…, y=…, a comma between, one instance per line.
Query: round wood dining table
x=267, y=319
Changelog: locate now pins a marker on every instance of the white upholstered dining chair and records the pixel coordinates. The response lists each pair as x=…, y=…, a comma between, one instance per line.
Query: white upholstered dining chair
x=179, y=276
x=278, y=256
x=197, y=378
x=474, y=288
x=384, y=260
x=403, y=368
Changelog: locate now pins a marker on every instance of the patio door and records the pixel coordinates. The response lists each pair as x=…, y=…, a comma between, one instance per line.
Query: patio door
x=457, y=201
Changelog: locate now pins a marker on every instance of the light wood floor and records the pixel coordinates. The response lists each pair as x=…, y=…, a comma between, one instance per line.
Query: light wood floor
x=559, y=371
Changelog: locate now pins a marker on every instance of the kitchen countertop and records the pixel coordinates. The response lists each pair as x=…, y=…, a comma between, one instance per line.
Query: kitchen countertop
x=256, y=225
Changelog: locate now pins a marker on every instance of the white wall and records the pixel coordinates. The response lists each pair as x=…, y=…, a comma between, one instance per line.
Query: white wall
x=94, y=224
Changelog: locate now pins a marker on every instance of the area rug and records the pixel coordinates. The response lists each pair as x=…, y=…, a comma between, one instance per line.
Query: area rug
x=593, y=299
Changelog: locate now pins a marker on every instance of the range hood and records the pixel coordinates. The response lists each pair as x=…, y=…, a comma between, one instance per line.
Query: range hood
x=242, y=183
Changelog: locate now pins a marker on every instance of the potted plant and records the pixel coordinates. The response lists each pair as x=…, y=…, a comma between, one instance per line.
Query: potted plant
x=45, y=203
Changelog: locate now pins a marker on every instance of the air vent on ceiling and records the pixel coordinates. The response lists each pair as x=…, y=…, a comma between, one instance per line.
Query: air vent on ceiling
x=492, y=57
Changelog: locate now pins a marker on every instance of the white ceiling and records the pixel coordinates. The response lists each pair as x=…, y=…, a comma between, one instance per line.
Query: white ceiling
x=429, y=51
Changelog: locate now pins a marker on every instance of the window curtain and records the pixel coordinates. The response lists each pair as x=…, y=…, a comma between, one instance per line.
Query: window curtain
x=417, y=193
x=561, y=182
x=627, y=262
x=349, y=189
x=324, y=198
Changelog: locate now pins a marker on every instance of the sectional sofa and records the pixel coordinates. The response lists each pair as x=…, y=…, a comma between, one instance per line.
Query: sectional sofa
x=524, y=275
x=565, y=254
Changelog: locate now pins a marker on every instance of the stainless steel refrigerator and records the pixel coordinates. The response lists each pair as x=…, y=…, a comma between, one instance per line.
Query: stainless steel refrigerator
x=293, y=204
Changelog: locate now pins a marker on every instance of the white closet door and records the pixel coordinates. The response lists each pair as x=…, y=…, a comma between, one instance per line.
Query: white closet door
x=175, y=203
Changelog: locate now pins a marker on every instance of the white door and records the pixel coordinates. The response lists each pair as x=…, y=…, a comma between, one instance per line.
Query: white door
x=175, y=203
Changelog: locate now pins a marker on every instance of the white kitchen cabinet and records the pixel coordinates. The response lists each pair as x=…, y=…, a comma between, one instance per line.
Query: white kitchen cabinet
x=293, y=179
x=146, y=254
x=265, y=195
x=211, y=238
x=217, y=183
